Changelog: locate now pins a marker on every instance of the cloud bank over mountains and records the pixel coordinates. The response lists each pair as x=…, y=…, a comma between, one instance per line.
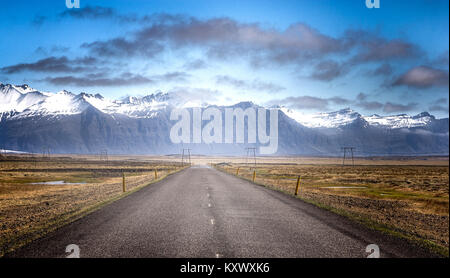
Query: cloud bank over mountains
x=296, y=64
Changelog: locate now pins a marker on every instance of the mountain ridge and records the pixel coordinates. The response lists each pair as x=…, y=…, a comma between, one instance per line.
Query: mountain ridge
x=134, y=106
x=89, y=123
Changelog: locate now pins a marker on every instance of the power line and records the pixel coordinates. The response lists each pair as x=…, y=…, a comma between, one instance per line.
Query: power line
x=350, y=150
x=187, y=153
x=45, y=152
x=250, y=150
x=104, y=155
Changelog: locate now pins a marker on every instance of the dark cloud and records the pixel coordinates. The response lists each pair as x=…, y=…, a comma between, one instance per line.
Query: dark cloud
x=299, y=45
x=222, y=37
x=361, y=101
x=107, y=13
x=54, y=64
x=123, y=48
x=440, y=108
x=390, y=107
x=361, y=97
x=99, y=12
x=339, y=100
x=423, y=77
x=195, y=65
x=254, y=85
x=87, y=12
x=373, y=48
x=90, y=12
x=172, y=77
x=225, y=38
x=328, y=70
x=45, y=51
x=125, y=79
x=439, y=105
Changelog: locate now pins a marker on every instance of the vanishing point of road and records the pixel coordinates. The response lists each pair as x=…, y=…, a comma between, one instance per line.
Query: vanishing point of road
x=202, y=212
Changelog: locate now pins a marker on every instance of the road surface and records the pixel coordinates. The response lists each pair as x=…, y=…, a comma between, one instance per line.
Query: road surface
x=202, y=212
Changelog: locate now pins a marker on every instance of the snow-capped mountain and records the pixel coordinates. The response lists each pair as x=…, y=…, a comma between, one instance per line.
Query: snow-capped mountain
x=401, y=120
x=88, y=123
x=18, y=98
x=347, y=116
x=30, y=102
x=324, y=120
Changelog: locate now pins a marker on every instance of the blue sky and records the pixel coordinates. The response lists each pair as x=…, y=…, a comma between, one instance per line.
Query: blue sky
x=312, y=56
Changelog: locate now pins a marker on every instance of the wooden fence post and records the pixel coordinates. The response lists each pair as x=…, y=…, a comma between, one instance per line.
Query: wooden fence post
x=123, y=182
x=298, y=183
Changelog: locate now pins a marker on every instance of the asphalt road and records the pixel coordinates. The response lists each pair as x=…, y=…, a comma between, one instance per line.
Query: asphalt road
x=202, y=212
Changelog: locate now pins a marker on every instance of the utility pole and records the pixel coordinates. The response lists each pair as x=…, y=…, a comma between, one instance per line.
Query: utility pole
x=350, y=151
x=45, y=152
x=186, y=153
x=249, y=151
x=104, y=155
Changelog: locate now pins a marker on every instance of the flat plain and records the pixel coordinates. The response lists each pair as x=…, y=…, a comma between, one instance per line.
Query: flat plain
x=403, y=196
x=41, y=194
x=407, y=197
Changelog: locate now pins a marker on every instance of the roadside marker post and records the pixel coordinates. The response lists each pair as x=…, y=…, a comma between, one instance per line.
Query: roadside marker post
x=254, y=175
x=156, y=174
x=298, y=184
x=237, y=172
x=123, y=182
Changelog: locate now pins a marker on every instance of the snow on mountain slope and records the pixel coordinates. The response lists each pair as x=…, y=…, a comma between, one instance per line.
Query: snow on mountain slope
x=324, y=120
x=30, y=102
x=23, y=89
x=347, y=116
x=60, y=103
x=29, y=99
x=9, y=97
x=137, y=107
x=400, y=121
x=23, y=101
x=143, y=107
x=19, y=98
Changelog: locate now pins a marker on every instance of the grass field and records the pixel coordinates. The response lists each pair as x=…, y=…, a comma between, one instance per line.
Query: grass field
x=407, y=197
x=31, y=207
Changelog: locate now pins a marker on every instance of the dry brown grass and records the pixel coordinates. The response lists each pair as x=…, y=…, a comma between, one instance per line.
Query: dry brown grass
x=411, y=198
x=29, y=210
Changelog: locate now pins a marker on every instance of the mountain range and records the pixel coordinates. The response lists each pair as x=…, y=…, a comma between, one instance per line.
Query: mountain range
x=32, y=120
